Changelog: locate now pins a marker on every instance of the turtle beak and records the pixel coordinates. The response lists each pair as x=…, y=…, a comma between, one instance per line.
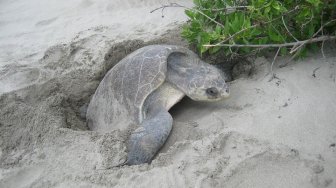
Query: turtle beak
x=226, y=92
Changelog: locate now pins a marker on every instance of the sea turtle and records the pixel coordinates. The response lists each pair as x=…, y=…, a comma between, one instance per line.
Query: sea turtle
x=136, y=94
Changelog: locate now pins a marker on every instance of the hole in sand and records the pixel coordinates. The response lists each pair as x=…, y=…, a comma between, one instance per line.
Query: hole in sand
x=184, y=126
x=77, y=87
x=75, y=106
x=193, y=120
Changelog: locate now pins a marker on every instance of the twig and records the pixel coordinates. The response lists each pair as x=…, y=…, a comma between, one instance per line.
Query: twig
x=187, y=8
x=291, y=59
x=274, y=76
x=304, y=24
x=314, y=72
x=276, y=55
x=227, y=8
x=278, y=32
x=309, y=40
x=191, y=9
x=165, y=6
x=312, y=40
x=322, y=45
x=283, y=21
x=253, y=26
x=322, y=51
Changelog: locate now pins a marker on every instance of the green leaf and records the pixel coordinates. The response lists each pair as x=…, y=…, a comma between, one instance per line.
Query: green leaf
x=227, y=27
x=214, y=49
x=218, y=29
x=255, y=31
x=314, y=2
x=267, y=10
x=197, y=2
x=247, y=23
x=263, y=40
x=190, y=14
x=274, y=36
x=205, y=38
x=203, y=49
x=214, y=36
x=195, y=27
x=276, y=6
x=311, y=30
x=236, y=24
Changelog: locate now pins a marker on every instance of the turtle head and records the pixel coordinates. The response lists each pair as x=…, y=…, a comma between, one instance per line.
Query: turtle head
x=206, y=83
x=198, y=80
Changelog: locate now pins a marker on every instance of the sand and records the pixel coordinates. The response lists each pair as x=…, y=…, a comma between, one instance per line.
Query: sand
x=269, y=133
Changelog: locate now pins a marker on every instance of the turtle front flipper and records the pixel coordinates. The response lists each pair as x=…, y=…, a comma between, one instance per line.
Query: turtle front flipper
x=146, y=140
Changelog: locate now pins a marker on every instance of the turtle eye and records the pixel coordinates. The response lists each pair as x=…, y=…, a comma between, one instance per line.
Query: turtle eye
x=212, y=91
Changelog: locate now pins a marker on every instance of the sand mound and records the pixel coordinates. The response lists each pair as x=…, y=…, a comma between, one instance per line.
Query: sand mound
x=28, y=27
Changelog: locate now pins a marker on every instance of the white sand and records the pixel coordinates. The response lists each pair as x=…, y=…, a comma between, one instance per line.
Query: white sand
x=29, y=27
x=277, y=133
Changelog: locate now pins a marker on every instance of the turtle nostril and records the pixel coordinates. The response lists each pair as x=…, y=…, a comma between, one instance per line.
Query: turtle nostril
x=227, y=90
x=212, y=91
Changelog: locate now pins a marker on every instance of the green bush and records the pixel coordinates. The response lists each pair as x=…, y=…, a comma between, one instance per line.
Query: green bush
x=287, y=25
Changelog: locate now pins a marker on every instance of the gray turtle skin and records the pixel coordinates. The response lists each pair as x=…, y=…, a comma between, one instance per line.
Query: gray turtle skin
x=136, y=94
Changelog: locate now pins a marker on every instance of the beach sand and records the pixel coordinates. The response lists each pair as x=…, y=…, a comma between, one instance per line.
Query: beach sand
x=276, y=132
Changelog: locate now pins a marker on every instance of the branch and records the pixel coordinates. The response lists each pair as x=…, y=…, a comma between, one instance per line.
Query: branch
x=256, y=25
x=171, y=5
x=291, y=59
x=166, y=6
x=191, y=9
x=227, y=8
x=312, y=40
x=283, y=21
x=308, y=41
x=187, y=8
x=276, y=55
x=297, y=47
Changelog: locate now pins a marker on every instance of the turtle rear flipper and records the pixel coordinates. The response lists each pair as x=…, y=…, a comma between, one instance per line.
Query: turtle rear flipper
x=146, y=140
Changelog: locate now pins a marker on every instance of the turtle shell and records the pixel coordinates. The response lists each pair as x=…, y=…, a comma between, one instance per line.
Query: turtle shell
x=119, y=98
